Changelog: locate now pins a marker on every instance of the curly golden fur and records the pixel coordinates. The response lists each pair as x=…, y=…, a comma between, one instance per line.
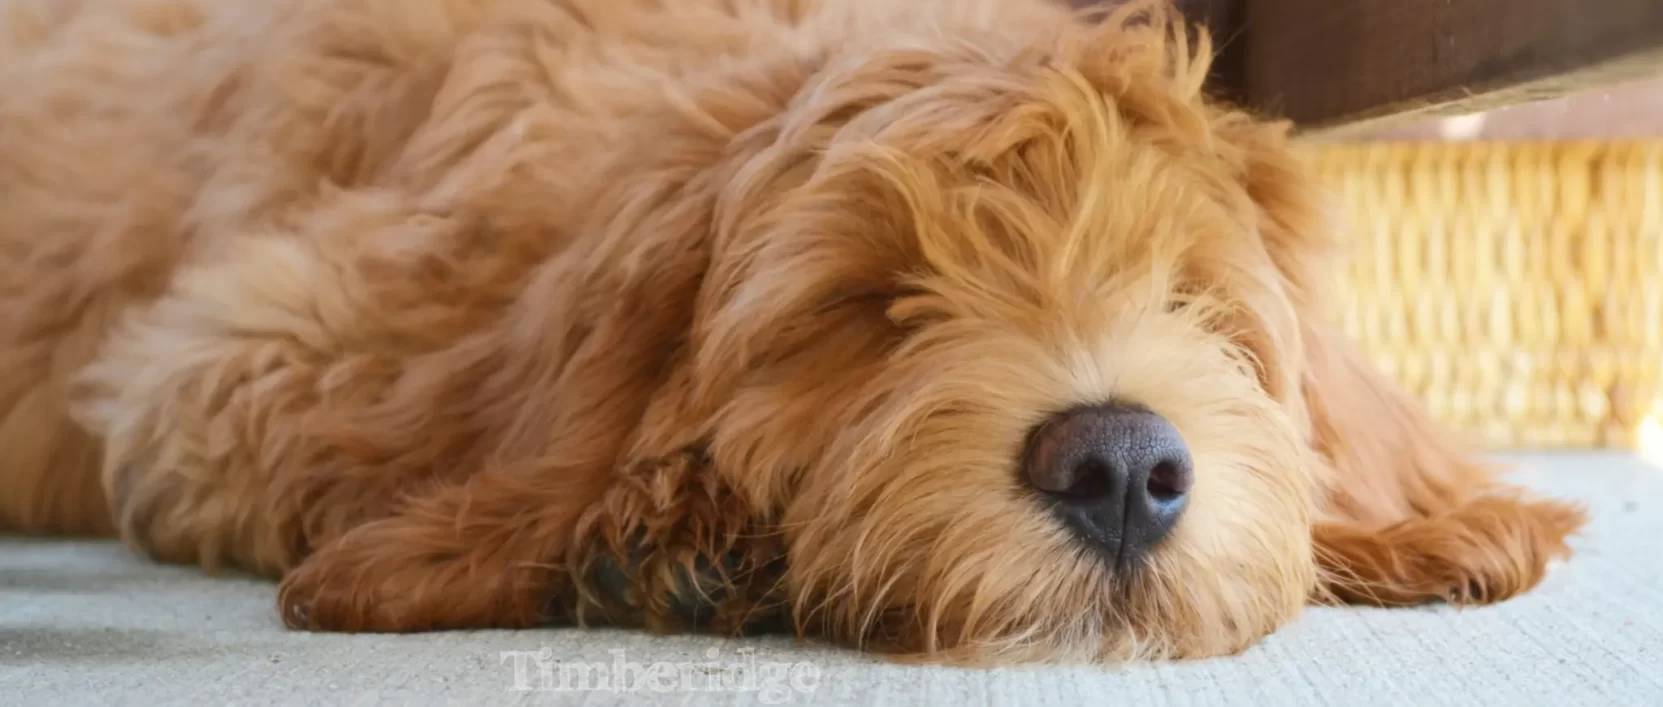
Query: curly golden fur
x=496, y=313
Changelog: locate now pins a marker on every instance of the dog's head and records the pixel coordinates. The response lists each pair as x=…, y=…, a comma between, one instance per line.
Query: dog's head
x=1008, y=350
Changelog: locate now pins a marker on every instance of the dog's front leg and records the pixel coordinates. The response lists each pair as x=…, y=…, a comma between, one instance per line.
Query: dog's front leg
x=575, y=375
x=662, y=544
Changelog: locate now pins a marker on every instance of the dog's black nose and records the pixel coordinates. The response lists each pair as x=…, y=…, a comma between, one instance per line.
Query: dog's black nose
x=1118, y=476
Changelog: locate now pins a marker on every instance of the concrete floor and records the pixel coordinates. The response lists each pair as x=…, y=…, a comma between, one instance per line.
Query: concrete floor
x=84, y=623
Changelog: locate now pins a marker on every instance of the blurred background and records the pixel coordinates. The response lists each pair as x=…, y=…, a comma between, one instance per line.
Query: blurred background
x=1508, y=265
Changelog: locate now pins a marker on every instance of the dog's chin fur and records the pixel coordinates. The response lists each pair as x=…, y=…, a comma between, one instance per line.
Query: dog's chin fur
x=468, y=313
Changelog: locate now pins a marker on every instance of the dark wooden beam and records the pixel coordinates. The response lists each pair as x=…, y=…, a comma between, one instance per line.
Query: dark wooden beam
x=1330, y=65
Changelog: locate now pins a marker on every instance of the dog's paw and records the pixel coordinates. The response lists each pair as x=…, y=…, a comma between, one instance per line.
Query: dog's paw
x=326, y=593
x=396, y=575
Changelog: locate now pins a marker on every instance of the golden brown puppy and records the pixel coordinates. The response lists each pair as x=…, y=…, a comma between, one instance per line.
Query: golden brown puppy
x=965, y=330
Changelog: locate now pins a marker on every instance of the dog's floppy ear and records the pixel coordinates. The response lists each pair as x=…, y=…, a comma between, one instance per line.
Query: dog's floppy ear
x=1387, y=458
x=1407, y=512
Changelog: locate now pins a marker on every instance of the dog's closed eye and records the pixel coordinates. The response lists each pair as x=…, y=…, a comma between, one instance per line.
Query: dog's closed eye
x=909, y=307
x=866, y=297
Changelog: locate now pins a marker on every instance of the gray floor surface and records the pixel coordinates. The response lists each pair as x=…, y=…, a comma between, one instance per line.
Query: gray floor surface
x=85, y=623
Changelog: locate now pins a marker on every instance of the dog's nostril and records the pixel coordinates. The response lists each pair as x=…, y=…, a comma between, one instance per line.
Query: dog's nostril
x=1118, y=477
x=1091, y=479
x=1167, y=482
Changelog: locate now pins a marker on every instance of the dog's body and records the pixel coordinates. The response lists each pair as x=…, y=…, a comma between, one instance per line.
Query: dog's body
x=466, y=313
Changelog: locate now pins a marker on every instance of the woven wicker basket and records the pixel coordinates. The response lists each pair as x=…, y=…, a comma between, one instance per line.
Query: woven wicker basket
x=1517, y=288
